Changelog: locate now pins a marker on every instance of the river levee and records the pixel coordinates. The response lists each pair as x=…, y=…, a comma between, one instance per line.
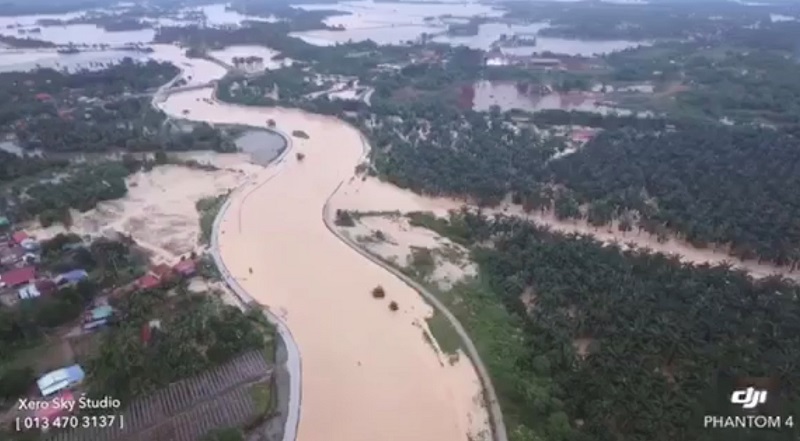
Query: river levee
x=368, y=373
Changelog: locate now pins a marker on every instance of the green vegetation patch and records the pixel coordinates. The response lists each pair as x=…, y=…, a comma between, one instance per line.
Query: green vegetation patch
x=209, y=208
x=263, y=399
x=300, y=134
x=196, y=333
x=225, y=434
x=446, y=336
x=421, y=262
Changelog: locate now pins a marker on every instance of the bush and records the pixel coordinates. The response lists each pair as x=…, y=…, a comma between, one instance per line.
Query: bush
x=300, y=156
x=344, y=219
x=300, y=134
x=15, y=382
x=393, y=306
x=378, y=292
x=224, y=434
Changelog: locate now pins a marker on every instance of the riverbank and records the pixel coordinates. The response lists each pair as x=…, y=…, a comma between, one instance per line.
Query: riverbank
x=352, y=345
x=159, y=209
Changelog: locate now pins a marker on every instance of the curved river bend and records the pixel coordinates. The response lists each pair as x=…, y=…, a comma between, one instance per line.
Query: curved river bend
x=368, y=373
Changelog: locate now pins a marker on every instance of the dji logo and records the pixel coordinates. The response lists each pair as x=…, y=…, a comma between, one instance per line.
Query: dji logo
x=749, y=398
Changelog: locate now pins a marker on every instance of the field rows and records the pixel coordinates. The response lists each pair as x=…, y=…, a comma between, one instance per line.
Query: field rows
x=213, y=394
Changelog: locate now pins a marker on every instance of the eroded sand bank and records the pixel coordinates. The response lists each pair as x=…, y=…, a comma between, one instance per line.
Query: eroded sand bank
x=159, y=210
x=373, y=195
x=368, y=373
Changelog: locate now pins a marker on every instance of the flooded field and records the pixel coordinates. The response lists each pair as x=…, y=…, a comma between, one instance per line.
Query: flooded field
x=23, y=61
x=389, y=23
x=488, y=33
x=509, y=95
x=216, y=15
x=383, y=23
x=229, y=53
x=396, y=23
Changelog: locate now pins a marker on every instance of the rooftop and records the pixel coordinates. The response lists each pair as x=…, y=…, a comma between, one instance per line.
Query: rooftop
x=18, y=276
x=60, y=379
x=19, y=236
x=148, y=281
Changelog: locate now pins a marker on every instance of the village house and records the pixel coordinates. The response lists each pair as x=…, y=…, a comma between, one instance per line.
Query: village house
x=60, y=379
x=37, y=289
x=71, y=277
x=17, y=277
x=582, y=136
x=98, y=317
x=148, y=281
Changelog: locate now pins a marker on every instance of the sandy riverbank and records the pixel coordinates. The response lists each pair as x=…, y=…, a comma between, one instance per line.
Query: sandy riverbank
x=372, y=195
x=368, y=373
x=159, y=210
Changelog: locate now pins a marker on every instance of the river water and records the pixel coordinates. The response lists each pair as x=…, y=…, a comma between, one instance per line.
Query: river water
x=261, y=145
x=366, y=371
x=384, y=23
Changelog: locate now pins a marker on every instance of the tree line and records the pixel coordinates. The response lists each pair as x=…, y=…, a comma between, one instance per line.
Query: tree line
x=615, y=343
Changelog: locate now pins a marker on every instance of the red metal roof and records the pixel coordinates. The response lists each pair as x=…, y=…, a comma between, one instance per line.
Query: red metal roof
x=161, y=270
x=18, y=276
x=19, y=236
x=43, y=96
x=148, y=281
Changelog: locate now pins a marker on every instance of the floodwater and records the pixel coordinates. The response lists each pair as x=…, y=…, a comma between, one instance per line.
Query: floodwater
x=24, y=61
x=507, y=96
x=389, y=23
x=396, y=23
x=383, y=23
x=367, y=371
x=780, y=17
x=263, y=146
x=216, y=15
x=488, y=33
x=229, y=53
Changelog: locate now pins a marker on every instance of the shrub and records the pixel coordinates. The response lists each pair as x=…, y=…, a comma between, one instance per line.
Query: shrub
x=393, y=306
x=378, y=292
x=300, y=156
x=344, y=219
x=300, y=134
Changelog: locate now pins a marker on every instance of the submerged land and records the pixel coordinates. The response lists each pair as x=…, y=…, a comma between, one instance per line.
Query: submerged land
x=525, y=221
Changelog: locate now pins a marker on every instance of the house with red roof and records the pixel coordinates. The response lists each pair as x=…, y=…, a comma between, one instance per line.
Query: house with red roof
x=162, y=271
x=44, y=96
x=17, y=277
x=52, y=411
x=19, y=237
x=582, y=135
x=148, y=281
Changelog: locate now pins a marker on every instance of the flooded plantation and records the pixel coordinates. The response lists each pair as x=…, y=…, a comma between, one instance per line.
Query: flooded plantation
x=529, y=97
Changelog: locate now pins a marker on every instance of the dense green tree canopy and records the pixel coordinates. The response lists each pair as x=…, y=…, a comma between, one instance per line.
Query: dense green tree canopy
x=624, y=344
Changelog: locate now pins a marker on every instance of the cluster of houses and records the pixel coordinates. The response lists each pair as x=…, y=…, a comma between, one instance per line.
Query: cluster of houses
x=21, y=279
x=19, y=255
